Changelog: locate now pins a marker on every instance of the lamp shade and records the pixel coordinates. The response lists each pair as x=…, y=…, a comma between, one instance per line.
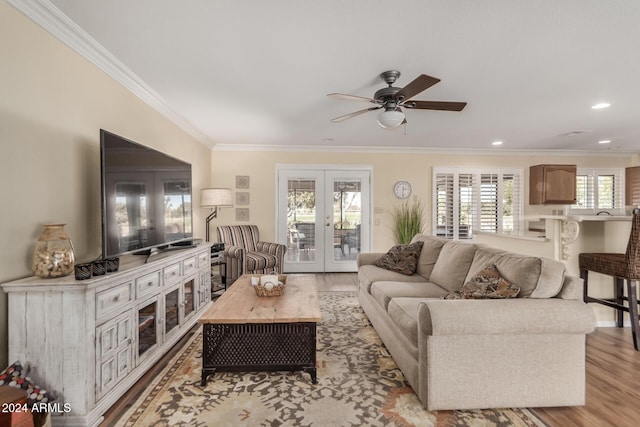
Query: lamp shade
x=390, y=119
x=215, y=197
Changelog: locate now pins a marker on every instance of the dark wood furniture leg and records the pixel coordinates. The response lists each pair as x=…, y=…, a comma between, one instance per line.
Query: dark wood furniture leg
x=619, y=284
x=633, y=312
x=617, y=303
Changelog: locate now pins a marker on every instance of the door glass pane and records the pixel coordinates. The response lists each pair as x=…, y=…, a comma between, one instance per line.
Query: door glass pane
x=347, y=219
x=171, y=310
x=301, y=215
x=147, y=336
x=189, y=301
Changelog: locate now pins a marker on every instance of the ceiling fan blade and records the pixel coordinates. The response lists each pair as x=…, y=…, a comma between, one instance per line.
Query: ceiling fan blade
x=355, y=113
x=420, y=83
x=435, y=105
x=352, y=97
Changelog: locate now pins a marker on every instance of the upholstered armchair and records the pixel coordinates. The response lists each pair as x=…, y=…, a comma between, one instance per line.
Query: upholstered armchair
x=245, y=253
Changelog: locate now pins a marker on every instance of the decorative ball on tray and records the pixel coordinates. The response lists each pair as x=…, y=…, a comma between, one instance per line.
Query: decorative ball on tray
x=269, y=285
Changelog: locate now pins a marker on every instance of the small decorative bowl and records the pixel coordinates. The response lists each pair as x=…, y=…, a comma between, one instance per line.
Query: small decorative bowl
x=113, y=264
x=83, y=271
x=98, y=268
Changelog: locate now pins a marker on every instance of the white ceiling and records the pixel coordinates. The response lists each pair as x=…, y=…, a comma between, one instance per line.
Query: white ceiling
x=256, y=73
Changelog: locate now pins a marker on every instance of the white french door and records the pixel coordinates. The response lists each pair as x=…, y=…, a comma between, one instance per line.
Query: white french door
x=323, y=216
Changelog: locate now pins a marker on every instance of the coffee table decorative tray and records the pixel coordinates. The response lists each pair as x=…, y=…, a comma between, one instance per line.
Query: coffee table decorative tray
x=269, y=285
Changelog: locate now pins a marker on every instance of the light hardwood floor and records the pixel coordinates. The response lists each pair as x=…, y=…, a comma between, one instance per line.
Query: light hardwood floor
x=613, y=375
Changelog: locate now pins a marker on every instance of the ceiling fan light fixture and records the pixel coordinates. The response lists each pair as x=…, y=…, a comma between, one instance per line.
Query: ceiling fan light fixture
x=390, y=119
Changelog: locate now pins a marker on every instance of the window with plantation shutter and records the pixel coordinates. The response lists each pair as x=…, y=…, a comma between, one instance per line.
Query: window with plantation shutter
x=468, y=200
x=443, y=203
x=599, y=190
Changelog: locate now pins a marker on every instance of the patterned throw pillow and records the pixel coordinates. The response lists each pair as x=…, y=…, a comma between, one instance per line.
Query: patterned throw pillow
x=487, y=284
x=16, y=376
x=401, y=258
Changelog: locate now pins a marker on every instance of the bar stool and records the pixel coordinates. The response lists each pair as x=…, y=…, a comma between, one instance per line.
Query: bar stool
x=622, y=267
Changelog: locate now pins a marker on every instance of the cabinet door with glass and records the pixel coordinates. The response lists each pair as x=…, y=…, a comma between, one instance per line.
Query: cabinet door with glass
x=189, y=299
x=148, y=330
x=172, y=319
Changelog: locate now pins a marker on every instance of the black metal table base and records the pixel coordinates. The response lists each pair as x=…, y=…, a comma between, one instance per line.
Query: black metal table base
x=259, y=347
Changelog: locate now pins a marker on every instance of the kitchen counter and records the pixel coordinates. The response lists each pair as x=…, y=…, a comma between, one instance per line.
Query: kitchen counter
x=582, y=218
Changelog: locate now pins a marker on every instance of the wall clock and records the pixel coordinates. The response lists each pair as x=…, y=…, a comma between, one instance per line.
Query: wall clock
x=402, y=189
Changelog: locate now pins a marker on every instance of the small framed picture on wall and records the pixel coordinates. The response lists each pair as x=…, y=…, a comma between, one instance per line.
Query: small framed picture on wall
x=242, y=181
x=242, y=214
x=242, y=198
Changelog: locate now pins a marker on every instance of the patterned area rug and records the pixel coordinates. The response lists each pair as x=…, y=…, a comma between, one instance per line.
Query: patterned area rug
x=358, y=384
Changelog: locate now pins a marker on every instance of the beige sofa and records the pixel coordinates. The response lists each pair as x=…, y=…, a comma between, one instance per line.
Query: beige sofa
x=527, y=351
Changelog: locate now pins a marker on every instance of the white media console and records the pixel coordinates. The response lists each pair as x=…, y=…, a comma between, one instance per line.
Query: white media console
x=87, y=342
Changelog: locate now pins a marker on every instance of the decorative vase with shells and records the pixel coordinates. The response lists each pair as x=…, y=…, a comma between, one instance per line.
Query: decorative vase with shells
x=53, y=255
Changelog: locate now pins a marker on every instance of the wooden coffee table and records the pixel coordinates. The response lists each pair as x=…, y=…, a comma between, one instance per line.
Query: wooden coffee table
x=245, y=332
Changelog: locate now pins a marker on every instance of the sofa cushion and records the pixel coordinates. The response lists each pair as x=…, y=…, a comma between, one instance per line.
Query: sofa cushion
x=404, y=313
x=453, y=264
x=369, y=274
x=521, y=270
x=431, y=248
x=383, y=292
x=551, y=279
x=401, y=258
x=487, y=283
x=535, y=276
x=485, y=255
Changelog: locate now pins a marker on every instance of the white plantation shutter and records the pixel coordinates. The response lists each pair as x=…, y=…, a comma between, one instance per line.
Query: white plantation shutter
x=512, y=206
x=443, y=215
x=467, y=205
x=489, y=203
x=599, y=190
x=584, y=192
x=470, y=200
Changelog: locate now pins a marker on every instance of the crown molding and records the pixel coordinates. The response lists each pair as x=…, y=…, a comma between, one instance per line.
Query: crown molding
x=49, y=17
x=419, y=150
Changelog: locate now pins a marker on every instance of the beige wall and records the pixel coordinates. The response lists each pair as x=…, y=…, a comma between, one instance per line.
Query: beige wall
x=387, y=168
x=417, y=168
x=52, y=106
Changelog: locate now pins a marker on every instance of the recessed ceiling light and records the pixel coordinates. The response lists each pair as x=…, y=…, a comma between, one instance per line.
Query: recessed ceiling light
x=327, y=140
x=576, y=132
x=604, y=141
x=601, y=105
x=496, y=143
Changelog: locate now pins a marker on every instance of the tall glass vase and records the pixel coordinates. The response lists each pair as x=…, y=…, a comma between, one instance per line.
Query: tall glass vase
x=53, y=255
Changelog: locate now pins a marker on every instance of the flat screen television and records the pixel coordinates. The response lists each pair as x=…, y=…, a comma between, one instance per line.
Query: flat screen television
x=146, y=198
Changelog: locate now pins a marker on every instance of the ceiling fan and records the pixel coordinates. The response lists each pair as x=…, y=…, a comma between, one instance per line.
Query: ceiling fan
x=392, y=99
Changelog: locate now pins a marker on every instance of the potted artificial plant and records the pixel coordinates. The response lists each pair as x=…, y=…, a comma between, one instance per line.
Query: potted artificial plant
x=408, y=221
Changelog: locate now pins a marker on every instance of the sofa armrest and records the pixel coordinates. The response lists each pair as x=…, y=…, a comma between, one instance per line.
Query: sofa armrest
x=501, y=317
x=368, y=258
x=236, y=252
x=572, y=288
x=276, y=249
